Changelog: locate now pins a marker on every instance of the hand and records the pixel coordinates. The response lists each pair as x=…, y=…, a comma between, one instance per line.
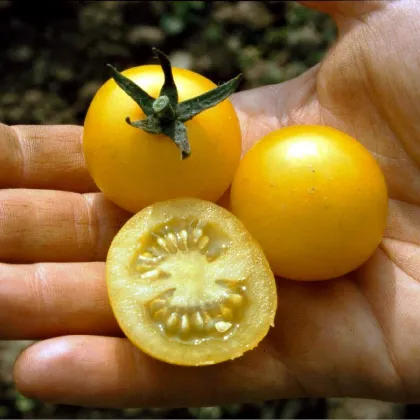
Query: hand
x=353, y=337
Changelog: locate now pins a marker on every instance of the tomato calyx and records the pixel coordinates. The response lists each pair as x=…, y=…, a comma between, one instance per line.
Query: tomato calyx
x=165, y=115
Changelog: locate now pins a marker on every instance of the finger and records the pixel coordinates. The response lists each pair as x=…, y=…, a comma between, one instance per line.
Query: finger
x=45, y=157
x=53, y=226
x=110, y=372
x=46, y=300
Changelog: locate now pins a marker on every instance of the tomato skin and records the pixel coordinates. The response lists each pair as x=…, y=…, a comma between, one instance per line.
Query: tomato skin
x=134, y=169
x=314, y=198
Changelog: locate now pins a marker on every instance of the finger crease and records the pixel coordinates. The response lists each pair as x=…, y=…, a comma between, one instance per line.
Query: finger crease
x=304, y=391
x=39, y=295
x=388, y=346
x=21, y=148
x=94, y=227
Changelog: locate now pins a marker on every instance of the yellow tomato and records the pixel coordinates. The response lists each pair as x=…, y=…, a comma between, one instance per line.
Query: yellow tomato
x=314, y=198
x=134, y=168
x=189, y=285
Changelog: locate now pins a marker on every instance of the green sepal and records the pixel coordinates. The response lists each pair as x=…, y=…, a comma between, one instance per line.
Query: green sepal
x=191, y=107
x=169, y=88
x=141, y=97
x=178, y=133
x=150, y=125
x=165, y=115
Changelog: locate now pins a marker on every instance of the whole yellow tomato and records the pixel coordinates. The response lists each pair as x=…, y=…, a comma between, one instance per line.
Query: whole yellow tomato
x=133, y=152
x=314, y=198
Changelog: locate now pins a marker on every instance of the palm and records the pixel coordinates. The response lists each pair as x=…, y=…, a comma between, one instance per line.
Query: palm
x=362, y=329
x=353, y=337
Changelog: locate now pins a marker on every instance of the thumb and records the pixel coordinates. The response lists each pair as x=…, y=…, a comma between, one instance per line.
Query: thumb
x=348, y=9
x=345, y=12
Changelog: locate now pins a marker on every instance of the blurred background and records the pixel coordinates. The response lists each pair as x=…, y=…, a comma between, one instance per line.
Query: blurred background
x=54, y=52
x=52, y=62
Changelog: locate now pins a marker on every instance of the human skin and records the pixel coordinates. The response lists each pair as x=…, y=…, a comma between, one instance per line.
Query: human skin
x=357, y=336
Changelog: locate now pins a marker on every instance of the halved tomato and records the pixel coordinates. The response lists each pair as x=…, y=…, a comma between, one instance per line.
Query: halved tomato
x=189, y=285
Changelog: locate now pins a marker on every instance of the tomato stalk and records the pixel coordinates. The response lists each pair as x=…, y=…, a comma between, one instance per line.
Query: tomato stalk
x=165, y=115
x=163, y=108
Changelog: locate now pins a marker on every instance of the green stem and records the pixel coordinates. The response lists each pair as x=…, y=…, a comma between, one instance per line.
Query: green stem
x=163, y=109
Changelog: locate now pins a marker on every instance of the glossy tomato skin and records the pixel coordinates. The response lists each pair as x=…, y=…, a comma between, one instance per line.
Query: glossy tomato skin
x=135, y=169
x=314, y=198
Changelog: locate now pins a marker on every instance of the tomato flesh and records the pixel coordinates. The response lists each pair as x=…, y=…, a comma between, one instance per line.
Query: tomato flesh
x=189, y=285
